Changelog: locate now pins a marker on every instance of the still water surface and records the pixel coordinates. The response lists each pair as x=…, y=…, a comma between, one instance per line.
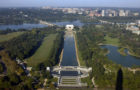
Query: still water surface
x=75, y=23
x=22, y=26
x=116, y=57
x=30, y=26
x=69, y=54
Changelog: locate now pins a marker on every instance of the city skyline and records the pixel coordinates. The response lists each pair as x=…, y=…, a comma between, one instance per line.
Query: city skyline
x=70, y=3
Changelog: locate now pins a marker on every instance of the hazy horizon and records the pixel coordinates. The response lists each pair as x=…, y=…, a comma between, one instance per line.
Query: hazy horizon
x=71, y=3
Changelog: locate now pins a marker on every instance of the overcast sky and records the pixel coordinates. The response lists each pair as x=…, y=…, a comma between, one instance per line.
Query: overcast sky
x=70, y=3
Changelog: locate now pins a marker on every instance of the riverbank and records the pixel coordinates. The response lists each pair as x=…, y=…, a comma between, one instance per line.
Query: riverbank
x=121, y=51
x=115, y=42
x=133, y=54
x=61, y=57
x=76, y=49
x=125, y=61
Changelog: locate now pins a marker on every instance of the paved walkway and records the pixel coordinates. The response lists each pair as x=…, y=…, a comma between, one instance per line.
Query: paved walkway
x=93, y=81
x=70, y=81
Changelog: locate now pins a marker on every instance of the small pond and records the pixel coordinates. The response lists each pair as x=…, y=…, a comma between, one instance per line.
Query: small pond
x=116, y=57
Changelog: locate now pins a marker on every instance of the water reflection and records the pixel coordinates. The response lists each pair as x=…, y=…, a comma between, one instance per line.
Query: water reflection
x=69, y=55
x=22, y=26
x=30, y=26
x=75, y=23
x=115, y=56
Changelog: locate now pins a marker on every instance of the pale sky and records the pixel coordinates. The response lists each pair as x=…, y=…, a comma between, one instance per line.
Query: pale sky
x=70, y=3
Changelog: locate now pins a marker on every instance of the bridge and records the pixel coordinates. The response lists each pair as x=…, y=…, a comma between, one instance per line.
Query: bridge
x=46, y=23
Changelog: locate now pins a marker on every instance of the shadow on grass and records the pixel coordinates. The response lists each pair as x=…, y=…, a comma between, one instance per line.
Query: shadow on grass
x=119, y=82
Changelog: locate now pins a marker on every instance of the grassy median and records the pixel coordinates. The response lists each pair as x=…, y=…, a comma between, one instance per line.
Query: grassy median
x=42, y=52
x=111, y=41
x=9, y=36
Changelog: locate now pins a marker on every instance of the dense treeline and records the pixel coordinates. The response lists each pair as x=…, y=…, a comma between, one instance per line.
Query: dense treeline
x=120, y=19
x=13, y=16
x=12, y=75
x=33, y=15
x=25, y=45
x=89, y=20
x=3, y=32
x=126, y=38
x=88, y=39
x=2, y=67
x=103, y=70
x=40, y=71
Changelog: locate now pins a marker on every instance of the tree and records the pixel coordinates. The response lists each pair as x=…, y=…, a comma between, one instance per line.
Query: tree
x=1, y=68
x=41, y=67
x=4, y=82
x=14, y=79
x=51, y=86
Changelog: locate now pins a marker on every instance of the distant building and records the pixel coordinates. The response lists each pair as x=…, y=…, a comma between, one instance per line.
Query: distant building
x=132, y=28
x=132, y=24
x=80, y=12
x=103, y=13
x=127, y=12
x=25, y=15
x=91, y=14
x=87, y=12
x=69, y=27
x=110, y=15
x=136, y=14
x=121, y=13
x=138, y=22
x=136, y=32
x=114, y=13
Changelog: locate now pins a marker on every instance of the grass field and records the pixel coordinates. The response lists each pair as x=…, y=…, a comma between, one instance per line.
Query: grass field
x=9, y=36
x=121, y=51
x=112, y=41
x=42, y=52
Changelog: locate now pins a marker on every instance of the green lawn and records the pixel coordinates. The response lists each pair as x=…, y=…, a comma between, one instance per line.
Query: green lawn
x=99, y=26
x=9, y=36
x=121, y=51
x=111, y=41
x=42, y=52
